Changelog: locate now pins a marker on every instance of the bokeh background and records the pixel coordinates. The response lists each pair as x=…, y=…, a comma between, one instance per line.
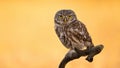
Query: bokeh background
x=28, y=39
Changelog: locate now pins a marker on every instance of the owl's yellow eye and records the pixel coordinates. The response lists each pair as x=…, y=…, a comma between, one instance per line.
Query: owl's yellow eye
x=60, y=16
x=69, y=16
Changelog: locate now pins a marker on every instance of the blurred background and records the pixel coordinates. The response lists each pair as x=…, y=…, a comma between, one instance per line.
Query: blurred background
x=28, y=39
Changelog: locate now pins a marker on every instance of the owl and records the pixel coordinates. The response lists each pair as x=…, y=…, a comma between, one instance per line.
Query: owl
x=74, y=35
x=71, y=32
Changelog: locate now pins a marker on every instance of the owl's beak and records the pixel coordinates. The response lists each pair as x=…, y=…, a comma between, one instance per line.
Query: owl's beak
x=65, y=20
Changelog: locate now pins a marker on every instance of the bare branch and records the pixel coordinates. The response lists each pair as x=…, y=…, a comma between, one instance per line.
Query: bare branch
x=89, y=53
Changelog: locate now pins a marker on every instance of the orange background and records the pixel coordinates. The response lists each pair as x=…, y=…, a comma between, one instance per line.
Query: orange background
x=28, y=39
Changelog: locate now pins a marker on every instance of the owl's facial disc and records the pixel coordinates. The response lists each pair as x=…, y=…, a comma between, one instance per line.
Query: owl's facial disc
x=64, y=19
x=65, y=16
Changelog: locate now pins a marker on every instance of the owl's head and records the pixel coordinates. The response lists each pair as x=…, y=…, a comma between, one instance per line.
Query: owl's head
x=65, y=17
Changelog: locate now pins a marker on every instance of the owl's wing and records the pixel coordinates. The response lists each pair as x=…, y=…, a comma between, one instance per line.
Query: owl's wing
x=82, y=30
x=81, y=33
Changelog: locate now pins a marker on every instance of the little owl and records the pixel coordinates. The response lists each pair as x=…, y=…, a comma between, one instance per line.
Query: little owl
x=72, y=33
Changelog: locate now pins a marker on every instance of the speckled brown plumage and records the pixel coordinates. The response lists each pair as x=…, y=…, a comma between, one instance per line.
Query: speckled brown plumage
x=73, y=33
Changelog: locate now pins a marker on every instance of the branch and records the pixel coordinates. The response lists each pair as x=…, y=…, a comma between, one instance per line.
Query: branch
x=91, y=53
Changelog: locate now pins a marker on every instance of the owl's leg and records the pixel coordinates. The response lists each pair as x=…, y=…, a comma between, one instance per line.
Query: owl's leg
x=94, y=51
x=71, y=55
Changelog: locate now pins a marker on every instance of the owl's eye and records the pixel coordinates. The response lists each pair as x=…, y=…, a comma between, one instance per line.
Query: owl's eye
x=60, y=16
x=69, y=16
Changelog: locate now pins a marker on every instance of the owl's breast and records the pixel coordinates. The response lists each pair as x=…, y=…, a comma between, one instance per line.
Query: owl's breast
x=75, y=38
x=63, y=37
x=69, y=37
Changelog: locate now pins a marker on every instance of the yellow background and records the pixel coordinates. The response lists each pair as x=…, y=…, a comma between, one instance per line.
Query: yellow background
x=28, y=39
